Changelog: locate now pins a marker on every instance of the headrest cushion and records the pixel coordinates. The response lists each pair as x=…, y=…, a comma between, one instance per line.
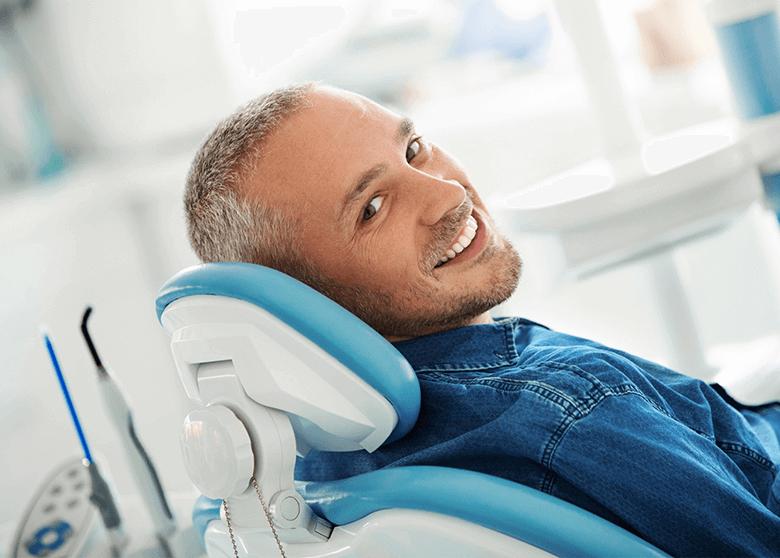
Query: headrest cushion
x=348, y=339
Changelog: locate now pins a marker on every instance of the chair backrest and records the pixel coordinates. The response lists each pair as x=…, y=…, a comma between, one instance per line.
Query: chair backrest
x=321, y=345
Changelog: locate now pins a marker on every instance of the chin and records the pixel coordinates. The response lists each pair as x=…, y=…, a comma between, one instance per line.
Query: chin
x=420, y=315
x=422, y=309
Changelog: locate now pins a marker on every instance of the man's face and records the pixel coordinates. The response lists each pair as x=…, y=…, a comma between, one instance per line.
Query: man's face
x=379, y=210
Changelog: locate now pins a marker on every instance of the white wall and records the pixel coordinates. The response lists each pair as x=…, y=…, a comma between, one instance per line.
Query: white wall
x=135, y=74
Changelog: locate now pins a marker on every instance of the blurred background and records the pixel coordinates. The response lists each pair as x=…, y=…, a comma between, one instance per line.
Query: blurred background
x=103, y=104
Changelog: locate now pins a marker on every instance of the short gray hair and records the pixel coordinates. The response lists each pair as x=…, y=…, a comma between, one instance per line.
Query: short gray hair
x=223, y=223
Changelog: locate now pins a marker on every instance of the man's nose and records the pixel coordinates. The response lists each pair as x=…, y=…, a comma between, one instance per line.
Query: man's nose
x=438, y=198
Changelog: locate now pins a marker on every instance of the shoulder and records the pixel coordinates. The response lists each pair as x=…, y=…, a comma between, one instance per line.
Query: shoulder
x=530, y=357
x=537, y=345
x=514, y=354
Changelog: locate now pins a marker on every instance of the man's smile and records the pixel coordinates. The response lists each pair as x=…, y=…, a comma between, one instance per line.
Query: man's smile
x=464, y=238
x=467, y=244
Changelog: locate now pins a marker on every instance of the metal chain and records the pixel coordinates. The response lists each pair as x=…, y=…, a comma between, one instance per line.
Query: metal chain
x=230, y=529
x=267, y=516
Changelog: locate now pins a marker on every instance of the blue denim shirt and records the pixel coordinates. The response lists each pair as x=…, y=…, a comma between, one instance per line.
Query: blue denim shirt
x=670, y=458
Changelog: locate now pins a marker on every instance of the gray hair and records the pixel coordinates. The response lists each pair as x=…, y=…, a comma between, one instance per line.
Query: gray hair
x=222, y=222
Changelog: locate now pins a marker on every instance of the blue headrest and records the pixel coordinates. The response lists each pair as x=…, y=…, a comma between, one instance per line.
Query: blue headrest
x=334, y=329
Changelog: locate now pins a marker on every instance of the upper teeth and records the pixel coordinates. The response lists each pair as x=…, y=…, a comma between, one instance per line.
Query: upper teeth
x=463, y=241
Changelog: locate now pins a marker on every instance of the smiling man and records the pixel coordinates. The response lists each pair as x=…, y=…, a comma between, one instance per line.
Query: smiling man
x=344, y=195
x=386, y=224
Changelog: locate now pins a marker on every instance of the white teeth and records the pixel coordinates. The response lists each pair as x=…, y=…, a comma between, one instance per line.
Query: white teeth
x=464, y=241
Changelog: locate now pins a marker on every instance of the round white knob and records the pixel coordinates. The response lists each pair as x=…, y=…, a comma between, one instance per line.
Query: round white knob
x=217, y=452
x=291, y=509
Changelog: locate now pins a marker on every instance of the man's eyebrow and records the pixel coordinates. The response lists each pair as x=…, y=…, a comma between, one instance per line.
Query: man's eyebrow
x=362, y=184
x=405, y=128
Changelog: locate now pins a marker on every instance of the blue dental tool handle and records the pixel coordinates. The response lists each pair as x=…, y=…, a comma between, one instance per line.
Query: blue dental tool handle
x=68, y=400
x=101, y=494
x=141, y=466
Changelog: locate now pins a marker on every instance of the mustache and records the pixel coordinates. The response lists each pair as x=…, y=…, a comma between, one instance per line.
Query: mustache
x=443, y=234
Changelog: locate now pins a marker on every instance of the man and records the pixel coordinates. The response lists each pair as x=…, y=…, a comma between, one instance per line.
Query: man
x=375, y=209
x=344, y=195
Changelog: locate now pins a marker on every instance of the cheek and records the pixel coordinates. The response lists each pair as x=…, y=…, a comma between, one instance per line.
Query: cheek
x=348, y=263
x=399, y=262
x=378, y=265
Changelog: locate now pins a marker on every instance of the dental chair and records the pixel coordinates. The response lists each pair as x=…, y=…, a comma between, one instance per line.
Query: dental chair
x=276, y=369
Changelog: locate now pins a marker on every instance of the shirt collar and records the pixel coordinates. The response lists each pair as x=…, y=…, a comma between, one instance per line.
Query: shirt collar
x=472, y=347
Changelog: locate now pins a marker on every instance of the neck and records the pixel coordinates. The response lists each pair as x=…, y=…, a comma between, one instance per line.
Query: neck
x=484, y=318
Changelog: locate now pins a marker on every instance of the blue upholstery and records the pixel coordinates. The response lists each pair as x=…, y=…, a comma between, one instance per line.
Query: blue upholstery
x=206, y=510
x=501, y=505
x=523, y=513
x=348, y=339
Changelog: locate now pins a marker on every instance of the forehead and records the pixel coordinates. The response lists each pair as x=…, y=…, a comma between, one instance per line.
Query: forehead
x=316, y=154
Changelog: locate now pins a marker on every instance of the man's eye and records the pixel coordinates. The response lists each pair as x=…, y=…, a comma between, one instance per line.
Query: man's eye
x=372, y=208
x=413, y=149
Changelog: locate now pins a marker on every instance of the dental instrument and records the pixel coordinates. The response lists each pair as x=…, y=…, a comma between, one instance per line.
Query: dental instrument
x=143, y=471
x=101, y=493
x=60, y=516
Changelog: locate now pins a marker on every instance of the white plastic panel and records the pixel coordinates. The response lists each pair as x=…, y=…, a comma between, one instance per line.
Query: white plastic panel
x=279, y=368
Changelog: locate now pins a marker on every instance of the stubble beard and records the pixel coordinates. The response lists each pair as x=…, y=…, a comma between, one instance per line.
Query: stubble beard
x=421, y=309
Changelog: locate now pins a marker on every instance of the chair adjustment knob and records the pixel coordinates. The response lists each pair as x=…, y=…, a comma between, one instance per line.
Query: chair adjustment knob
x=217, y=452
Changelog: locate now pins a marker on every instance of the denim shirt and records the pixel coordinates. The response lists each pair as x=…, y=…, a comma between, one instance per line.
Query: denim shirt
x=670, y=458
